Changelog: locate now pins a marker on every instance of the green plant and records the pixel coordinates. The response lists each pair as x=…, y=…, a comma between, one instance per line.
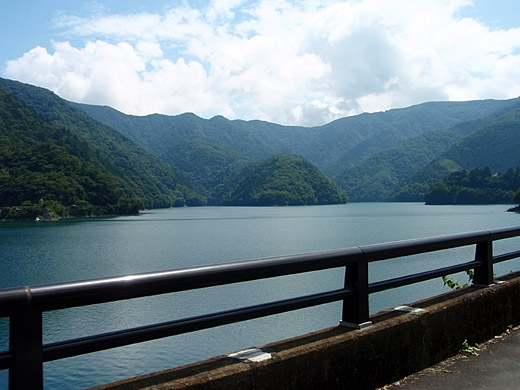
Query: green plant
x=472, y=350
x=455, y=284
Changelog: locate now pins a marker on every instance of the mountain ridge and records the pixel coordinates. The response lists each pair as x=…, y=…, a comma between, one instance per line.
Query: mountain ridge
x=358, y=146
x=386, y=156
x=271, y=138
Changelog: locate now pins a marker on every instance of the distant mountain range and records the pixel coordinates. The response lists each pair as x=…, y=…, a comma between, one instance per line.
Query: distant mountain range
x=388, y=156
x=93, y=159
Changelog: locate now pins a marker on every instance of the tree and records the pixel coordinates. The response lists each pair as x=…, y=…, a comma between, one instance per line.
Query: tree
x=479, y=186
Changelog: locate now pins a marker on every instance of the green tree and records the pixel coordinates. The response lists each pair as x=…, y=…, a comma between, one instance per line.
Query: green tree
x=479, y=186
x=285, y=179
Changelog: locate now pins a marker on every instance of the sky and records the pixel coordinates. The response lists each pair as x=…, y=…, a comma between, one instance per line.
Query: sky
x=290, y=62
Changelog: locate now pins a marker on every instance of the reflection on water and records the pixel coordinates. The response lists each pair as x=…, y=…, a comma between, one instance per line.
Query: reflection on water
x=37, y=253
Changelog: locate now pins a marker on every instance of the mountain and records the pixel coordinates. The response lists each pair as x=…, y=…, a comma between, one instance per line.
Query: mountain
x=372, y=157
x=493, y=144
x=55, y=152
x=39, y=177
x=377, y=132
x=159, y=133
x=479, y=186
x=387, y=156
x=329, y=146
x=395, y=173
x=213, y=169
x=285, y=180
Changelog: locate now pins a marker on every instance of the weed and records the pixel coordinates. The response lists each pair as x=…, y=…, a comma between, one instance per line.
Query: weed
x=455, y=284
x=472, y=350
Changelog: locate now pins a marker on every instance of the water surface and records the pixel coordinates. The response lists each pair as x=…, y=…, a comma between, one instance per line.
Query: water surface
x=40, y=253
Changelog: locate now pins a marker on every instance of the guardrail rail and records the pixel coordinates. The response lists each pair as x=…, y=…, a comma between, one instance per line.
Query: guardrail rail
x=24, y=305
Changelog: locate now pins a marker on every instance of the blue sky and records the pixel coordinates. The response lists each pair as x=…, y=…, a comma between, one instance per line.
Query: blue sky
x=290, y=62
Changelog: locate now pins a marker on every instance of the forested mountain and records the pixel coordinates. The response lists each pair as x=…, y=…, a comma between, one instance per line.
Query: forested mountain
x=344, y=140
x=388, y=156
x=494, y=145
x=159, y=133
x=285, y=180
x=372, y=157
x=478, y=186
x=384, y=130
x=396, y=173
x=213, y=169
x=54, y=152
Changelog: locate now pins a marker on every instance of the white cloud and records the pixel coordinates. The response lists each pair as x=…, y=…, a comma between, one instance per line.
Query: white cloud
x=293, y=63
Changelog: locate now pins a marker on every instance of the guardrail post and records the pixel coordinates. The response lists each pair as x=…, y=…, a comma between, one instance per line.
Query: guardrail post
x=355, y=307
x=26, y=345
x=484, y=274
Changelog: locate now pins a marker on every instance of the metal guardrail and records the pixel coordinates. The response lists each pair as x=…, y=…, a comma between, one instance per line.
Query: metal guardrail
x=25, y=305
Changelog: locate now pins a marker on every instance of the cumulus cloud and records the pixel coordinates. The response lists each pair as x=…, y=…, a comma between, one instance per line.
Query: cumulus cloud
x=288, y=62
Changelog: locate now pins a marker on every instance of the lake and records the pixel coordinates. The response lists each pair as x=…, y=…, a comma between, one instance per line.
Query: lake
x=40, y=253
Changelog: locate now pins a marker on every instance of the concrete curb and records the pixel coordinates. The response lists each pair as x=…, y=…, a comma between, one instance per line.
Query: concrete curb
x=399, y=343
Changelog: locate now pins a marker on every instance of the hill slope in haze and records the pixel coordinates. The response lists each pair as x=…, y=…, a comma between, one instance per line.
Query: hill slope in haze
x=495, y=145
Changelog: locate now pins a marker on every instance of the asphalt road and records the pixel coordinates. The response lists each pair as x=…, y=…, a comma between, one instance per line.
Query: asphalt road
x=494, y=365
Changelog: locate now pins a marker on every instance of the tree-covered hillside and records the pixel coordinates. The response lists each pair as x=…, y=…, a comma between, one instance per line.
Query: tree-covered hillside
x=389, y=175
x=212, y=168
x=478, y=186
x=381, y=131
x=39, y=175
x=345, y=140
x=285, y=180
x=494, y=145
x=160, y=133
x=387, y=156
x=372, y=157
x=55, y=153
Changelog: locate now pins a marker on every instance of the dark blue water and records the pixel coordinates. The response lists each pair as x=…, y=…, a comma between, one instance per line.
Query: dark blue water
x=38, y=253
